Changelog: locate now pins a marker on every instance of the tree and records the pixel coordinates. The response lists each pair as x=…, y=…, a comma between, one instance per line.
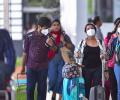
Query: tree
x=45, y=3
x=50, y=3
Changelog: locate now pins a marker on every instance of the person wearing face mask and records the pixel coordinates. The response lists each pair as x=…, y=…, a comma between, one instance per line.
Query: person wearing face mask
x=114, y=48
x=36, y=60
x=90, y=51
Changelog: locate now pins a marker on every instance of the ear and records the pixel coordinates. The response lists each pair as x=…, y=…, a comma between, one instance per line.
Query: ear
x=39, y=28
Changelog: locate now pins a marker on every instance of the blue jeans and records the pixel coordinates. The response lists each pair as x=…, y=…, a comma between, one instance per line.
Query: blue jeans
x=117, y=74
x=55, y=76
x=39, y=77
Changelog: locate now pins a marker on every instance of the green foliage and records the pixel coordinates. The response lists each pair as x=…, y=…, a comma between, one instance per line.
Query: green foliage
x=45, y=3
x=50, y=3
x=19, y=61
x=90, y=6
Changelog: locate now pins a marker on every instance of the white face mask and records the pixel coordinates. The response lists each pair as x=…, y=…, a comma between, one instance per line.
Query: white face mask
x=118, y=30
x=45, y=31
x=91, y=32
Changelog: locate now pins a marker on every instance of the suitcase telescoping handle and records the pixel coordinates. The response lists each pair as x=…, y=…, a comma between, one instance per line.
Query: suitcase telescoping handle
x=103, y=64
x=103, y=77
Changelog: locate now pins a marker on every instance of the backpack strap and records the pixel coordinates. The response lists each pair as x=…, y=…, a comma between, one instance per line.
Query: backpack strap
x=81, y=46
x=101, y=46
x=80, y=49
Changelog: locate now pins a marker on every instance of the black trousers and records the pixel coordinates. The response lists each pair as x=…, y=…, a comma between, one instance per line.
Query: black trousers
x=92, y=77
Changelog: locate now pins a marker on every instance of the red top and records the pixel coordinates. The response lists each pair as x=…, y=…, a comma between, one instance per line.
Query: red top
x=51, y=53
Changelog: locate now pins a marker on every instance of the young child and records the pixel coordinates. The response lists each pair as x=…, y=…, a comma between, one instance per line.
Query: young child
x=71, y=86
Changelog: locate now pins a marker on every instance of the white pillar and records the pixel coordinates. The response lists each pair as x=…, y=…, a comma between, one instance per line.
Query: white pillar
x=74, y=18
x=1, y=14
x=6, y=14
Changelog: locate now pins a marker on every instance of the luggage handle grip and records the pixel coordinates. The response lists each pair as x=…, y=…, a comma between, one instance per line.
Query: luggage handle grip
x=18, y=77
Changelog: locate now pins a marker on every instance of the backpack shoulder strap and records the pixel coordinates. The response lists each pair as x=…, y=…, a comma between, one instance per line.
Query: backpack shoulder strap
x=81, y=45
x=101, y=46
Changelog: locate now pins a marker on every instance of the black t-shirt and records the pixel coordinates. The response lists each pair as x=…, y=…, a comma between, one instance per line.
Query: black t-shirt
x=91, y=57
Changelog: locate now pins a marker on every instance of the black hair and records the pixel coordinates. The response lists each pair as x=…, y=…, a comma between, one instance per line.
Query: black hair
x=115, y=29
x=96, y=19
x=89, y=24
x=68, y=40
x=106, y=70
x=56, y=20
x=90, y=20
x=116, y=21
x=44, y=22
x=116, y=24
x=109, y=35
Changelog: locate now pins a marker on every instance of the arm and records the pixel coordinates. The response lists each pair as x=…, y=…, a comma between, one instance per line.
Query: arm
x=78, y=49
x=65, y=55
x=24, y=60
x=25, y=52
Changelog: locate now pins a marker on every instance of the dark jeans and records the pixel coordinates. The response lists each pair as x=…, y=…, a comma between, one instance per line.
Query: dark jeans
x=4, y=75
x=92, y=77
x=39, y=77
x=113, y=84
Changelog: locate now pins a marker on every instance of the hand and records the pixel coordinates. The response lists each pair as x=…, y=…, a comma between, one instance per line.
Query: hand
x=77, y=54
x=62, y=38
x=49, y=41
x=81, y=65
x=102, y=56
x=23, y=70
x=54, y=35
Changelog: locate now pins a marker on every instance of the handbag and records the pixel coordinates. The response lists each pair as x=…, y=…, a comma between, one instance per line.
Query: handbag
x=71, y=71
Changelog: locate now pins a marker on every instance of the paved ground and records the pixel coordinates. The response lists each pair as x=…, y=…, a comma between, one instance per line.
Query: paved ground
x=18, y=70
x=49, y=96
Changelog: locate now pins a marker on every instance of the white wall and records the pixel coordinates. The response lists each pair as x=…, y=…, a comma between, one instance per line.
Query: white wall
x=73, y=18
x=116, y=8
x=107, y=27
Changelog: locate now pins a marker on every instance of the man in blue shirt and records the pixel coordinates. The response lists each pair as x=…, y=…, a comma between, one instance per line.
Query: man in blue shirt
x=7, y=58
